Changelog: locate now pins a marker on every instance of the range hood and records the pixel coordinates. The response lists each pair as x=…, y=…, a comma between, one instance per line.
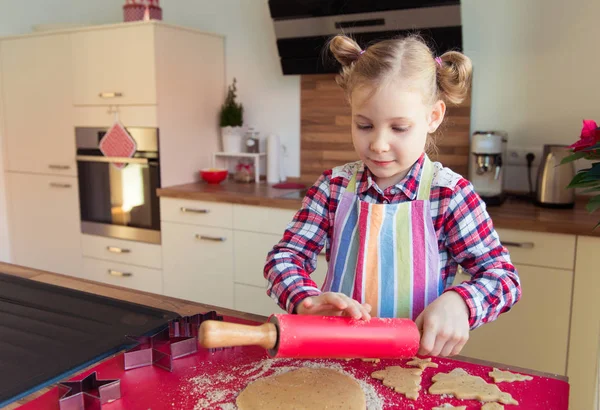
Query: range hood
x=303, y=27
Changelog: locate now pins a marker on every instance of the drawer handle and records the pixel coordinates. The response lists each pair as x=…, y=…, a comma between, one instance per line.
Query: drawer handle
x=114, y=249
x=526, y=245
x=57, y=185
x=194, y=211
x=110, y=95
x=53, y=166
x=211, y=238
x=120, y=274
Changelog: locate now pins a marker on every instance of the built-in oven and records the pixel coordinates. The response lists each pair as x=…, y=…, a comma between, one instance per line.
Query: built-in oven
x=117, y=196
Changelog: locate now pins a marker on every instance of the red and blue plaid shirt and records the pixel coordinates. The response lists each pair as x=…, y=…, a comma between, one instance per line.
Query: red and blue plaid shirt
x=465, y=233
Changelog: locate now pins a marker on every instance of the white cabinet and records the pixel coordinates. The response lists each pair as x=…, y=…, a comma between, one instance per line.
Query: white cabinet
x=122, y=251
x=198, y=263
x=44, y=222
x=535, y=333
x=38, y=128
x=584, y=348
x=118, y=274
x=115, y=65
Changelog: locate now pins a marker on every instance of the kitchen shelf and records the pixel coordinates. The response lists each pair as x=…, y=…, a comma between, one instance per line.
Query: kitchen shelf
x=255, y=156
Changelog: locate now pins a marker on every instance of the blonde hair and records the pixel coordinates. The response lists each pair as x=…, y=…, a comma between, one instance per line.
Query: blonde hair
x=408, y=59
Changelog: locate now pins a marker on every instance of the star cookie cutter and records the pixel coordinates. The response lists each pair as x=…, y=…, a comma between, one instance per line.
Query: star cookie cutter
x=178, y=339
x=89, y=393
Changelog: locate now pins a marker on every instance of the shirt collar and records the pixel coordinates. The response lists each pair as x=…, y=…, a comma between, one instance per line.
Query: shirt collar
x=409, y=185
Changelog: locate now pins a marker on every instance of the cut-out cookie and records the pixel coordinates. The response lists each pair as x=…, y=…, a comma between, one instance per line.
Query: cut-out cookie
x=449, y=407
x=492, y=406
x=402, y=380
x=504, y=376
x=422, y=363
x=462, y=385
x=371, y=360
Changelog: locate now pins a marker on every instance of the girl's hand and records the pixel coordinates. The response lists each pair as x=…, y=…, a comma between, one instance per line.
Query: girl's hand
x=444, y=326
x=333, y=304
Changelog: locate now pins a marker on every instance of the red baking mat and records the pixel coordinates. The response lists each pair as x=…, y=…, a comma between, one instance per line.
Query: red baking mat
x=212, y=380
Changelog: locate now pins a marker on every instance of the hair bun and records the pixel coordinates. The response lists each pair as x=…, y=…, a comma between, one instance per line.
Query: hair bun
x=344, y=49
x=454, y=76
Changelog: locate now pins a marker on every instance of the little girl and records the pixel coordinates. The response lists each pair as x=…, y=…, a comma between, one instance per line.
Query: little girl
x=396, y=225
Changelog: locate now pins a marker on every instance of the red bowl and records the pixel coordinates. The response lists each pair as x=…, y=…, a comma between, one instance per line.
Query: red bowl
x=213, y=175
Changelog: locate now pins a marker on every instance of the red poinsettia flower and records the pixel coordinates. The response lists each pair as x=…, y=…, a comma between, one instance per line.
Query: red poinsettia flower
x=590, y=136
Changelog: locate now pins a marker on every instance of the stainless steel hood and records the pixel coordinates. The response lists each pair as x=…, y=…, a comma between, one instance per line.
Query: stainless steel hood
x=303, y=27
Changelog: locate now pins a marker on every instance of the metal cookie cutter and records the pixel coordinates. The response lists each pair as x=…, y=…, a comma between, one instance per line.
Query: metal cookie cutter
x=88, y=393
x=178, y=339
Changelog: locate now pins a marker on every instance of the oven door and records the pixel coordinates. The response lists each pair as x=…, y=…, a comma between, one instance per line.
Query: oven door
x=117, y=197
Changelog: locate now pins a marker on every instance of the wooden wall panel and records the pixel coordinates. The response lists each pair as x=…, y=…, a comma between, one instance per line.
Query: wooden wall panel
x=325, y=136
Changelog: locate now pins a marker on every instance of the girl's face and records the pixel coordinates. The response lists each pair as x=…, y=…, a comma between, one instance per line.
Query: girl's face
x=390, y=127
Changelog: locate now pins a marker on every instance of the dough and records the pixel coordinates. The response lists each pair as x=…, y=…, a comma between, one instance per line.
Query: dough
x=503, y=376
x=449, y=407
x=303, y=389
x=422, y=363
x=371, y=360
x=462, y=385
x=405, y=381
x=492, y=406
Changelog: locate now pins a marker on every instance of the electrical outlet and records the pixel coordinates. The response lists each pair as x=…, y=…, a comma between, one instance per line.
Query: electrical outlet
x=518, y=156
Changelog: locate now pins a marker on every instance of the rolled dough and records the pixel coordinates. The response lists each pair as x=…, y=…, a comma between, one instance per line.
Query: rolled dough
x=303, y=389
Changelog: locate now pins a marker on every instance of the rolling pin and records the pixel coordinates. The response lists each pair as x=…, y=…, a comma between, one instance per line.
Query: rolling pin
x=313, y=337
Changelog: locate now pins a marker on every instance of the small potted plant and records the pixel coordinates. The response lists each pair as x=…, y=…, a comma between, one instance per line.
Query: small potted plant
x=232, y=119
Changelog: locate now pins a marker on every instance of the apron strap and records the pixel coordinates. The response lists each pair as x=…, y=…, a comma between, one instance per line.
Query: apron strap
x=351, y=187
x=426, y=180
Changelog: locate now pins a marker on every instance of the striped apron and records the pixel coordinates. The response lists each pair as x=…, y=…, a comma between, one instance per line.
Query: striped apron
x=386, y=254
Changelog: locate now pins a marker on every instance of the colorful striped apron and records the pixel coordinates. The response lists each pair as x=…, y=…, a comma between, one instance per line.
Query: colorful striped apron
x=386, y=254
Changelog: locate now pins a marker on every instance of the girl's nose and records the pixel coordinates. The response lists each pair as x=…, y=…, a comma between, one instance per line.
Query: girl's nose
x=379, y=144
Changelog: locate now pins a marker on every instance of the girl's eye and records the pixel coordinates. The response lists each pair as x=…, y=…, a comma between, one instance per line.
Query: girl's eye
x=363, y=127
x=400, y=129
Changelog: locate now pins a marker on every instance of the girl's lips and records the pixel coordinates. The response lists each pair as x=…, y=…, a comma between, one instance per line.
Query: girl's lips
x=382, y=163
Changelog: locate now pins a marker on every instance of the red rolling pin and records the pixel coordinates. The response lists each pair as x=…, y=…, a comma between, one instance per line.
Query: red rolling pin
x=312, y=337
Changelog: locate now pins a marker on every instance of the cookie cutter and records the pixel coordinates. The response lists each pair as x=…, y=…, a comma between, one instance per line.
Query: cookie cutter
x=89, y=393
x=178, y=339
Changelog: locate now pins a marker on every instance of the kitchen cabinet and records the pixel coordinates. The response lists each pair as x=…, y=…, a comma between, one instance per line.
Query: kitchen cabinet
x=535, y=333
x=44, y=222
x=115, y=65
x=38, y=129
x=118, y=274
x=122, y=251
x=584, y=348
x=198, y=263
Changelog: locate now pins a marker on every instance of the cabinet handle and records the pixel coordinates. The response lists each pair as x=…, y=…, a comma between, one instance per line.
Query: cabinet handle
x=211, y=238
x=527, y=245
x=110, y=95
x=120, y=274
x=114, y=249
x=194, y=211
x=57, y=185
x=53, y=166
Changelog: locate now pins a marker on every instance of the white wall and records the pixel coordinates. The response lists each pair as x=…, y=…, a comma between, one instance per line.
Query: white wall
x=535, y=69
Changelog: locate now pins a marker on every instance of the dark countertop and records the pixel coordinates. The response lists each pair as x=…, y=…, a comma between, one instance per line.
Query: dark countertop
x=513, y=214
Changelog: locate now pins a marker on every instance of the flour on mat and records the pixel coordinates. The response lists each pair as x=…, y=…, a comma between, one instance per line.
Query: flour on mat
x=211, y=395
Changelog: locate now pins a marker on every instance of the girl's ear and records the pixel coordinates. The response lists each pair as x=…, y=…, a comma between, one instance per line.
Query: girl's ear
x=436, y=116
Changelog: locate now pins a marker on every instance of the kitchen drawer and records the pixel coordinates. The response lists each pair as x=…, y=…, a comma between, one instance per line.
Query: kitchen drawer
x=215, y=214
x=120, y=274
x=539, y=248
x=261, y=219
x=198, y=263
x=253, y=299
x=118, y=250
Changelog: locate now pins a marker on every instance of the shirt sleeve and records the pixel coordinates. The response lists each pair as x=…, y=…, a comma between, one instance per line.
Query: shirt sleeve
x=292, y=260
x=475, y=245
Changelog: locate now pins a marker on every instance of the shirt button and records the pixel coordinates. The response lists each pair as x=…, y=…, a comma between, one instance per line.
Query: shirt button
x=394, y=191
x=385, y=201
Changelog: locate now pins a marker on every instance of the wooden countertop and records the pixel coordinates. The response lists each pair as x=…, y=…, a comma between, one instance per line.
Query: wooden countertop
x=513, y=214
x=182, y=307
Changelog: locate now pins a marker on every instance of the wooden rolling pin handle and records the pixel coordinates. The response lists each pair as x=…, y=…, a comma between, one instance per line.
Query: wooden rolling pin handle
x=214, y=334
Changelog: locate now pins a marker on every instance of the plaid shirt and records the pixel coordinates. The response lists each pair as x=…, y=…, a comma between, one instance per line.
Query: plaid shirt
x=465, y=233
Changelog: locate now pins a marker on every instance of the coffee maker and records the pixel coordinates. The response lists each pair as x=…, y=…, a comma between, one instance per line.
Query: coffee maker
x=486, y=167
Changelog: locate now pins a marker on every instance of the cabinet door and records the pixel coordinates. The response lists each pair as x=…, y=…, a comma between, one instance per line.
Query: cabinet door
x=198, y=263
x=534, y=334
x=38, y=109
x=254, y=299
x=114, y=66
x=44, y=222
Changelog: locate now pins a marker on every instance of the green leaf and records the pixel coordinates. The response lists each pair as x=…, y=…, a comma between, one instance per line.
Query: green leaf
x=592, y=148
x=573, y=157
x=577, y=180
x=593, y=204
x=595, y=170
x=595, y=227
x=590, y=190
